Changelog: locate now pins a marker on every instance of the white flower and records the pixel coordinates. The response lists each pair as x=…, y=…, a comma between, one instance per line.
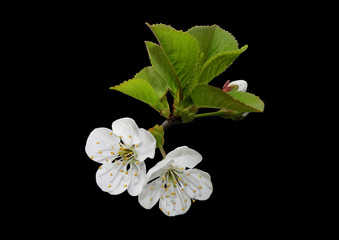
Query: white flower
x=129, y=146
x=174, y=185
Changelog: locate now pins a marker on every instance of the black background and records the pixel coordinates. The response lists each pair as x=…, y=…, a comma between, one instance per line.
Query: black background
x=91, y=48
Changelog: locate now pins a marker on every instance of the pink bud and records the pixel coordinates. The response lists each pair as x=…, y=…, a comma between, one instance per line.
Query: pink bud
x=226, y=87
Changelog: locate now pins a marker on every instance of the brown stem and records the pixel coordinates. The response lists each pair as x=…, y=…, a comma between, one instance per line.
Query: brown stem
x=169, y=122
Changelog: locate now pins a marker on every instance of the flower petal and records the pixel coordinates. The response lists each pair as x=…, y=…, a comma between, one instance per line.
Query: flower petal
x=185, y=157
x=197, y=184
x=102, y=145
x=159, y=168
x=242, y=85
x=138, y=178
x=174, y=202
x=150, y=194
x=146, y=147
x=128, y=130
x=112, y=177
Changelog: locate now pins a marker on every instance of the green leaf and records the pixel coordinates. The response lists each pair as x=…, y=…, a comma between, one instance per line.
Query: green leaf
x=158, y=83
x=158, y=133
x=182, y=51
x=218, y=64
x=205, y=96
x=249, y=99
x=143, y=91
x=163, y=67
x=213, y=40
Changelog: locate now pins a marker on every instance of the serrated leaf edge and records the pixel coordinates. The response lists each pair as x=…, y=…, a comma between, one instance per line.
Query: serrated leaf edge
x=241, y=50
x=171, y=66
x=153, y=106
x=251, y=106
x=171, y=29
x=217, y=26
x=257, y=110
x=166, y=89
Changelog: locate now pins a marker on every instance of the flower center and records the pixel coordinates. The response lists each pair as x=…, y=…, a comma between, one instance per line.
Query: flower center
x=127, y=153
x=171, y=176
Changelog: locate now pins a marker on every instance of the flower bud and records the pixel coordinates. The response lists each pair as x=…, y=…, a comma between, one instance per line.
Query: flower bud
x=239, y=85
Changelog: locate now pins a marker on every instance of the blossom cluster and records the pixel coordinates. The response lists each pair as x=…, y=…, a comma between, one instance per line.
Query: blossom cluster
x=122, y=152
x=174, y=182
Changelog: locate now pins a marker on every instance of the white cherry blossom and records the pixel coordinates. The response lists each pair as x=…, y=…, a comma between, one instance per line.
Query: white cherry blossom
x=175, y=183
x=122, y=152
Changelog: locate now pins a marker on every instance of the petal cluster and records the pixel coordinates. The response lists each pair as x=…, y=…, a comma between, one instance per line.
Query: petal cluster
x=175, y=183
x=122, y=152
